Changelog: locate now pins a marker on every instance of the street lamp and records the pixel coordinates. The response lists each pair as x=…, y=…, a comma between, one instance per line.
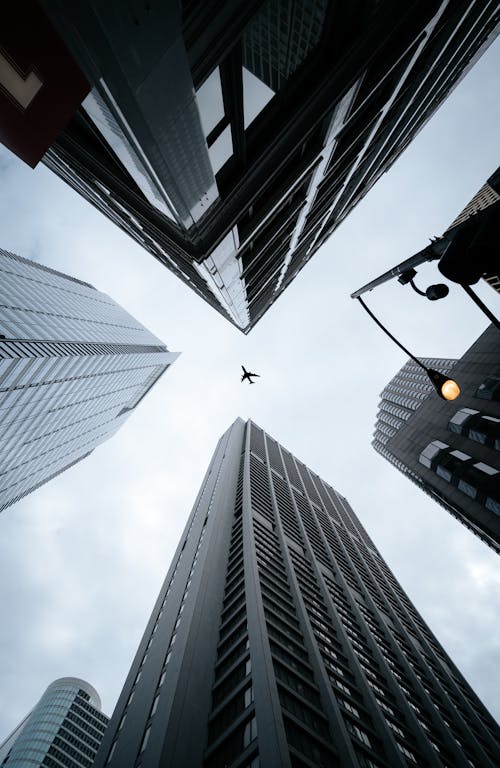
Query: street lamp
x=446, y=388
x=433, y=292
x=465, y=252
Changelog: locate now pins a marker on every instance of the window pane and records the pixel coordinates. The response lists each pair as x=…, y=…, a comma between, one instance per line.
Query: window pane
x=492, y=505
x=467, y=488
x=256, y=95
x=444, y=473
x=477, y=436
x=221, y=150
x=210, y=103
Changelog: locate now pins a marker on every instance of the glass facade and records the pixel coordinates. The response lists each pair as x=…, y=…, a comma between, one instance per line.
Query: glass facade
x=64, y=729
x=231, y=139
x=281, y=638
x=73, y=364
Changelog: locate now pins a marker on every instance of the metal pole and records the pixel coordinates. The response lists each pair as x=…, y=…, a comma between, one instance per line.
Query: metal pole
x=475, y=298
x=433, y=252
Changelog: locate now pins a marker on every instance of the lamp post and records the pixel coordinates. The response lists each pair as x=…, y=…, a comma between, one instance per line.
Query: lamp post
x=446, y=388
x=465, y=252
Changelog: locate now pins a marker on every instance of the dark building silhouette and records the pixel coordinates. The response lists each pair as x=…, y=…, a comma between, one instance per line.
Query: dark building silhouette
x=487, y=196
x=450, y=449
x=281, y=638
x=231, y=139
x=63, y=730
x=41, y=86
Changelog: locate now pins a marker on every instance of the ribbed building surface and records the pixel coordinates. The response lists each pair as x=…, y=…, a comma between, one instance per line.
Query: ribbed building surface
x=231, y=139
x=73, y=366
x=451, y=450
x=400, y=399
x=281, y=638
x=63, y=730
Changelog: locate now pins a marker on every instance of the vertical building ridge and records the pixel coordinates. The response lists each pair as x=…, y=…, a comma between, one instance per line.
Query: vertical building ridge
x=281, y=638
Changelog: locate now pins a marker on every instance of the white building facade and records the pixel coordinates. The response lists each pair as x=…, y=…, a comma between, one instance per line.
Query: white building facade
x=73, y=365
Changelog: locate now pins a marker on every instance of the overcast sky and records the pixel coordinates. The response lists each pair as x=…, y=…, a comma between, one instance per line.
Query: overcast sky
x=82, y=559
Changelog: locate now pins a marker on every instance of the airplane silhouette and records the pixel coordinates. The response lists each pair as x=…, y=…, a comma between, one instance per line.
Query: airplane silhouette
x=248, y=375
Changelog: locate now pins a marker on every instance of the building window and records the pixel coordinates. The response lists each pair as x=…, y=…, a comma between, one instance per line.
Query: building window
x=430, y=453
x=145, y=739
x=407, y=753
x=467, y=488
x=459, y=419
x=492, y=505
x=489, y=389
x=479, y=427
x=155, y=705
x=350, y=708
x=444, y=473
x=250, y=732
x=365, y=761
x=358, y=732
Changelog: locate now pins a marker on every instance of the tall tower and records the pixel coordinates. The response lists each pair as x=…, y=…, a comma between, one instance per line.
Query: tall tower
x=65, y=728
x=488, y=195
x=231, y=139
x=449, y=449
x=73, y=366
x=281, y=638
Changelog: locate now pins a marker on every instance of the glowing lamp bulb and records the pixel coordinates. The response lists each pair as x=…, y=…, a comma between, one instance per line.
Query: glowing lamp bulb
x=450, y=390
x=446, y=388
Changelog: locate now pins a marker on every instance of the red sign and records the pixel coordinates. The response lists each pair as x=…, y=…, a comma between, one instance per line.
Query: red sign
x=41, y=85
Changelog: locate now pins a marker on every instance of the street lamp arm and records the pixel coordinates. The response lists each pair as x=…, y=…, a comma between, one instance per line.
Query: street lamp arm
x=417, y=289
x=446, y=388
x=432, y=252
x=384, y=329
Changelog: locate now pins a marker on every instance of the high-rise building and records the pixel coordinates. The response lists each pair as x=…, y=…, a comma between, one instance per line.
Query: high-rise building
x=73, y=366
x=63, y=730
x=281, y=638
x=231, y=139
x=450, y=449
x=488, y=195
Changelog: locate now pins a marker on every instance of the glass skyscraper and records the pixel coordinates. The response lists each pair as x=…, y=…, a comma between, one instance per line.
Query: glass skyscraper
x=451, y=450
x=281, y=638
x=231, y=139
x=73, y=366
x=63, y=730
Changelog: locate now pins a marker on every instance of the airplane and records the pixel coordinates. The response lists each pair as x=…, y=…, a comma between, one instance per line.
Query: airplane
x=248, y=376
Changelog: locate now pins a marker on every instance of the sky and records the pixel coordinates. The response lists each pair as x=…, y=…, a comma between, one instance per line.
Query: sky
x=82, y=559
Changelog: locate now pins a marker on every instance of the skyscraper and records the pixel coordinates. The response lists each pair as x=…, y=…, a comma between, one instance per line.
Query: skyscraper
x=281, y=638
x=231, y=139
x=449, y=449
x=65, y=728
x=73, y=367
x=488, y=195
